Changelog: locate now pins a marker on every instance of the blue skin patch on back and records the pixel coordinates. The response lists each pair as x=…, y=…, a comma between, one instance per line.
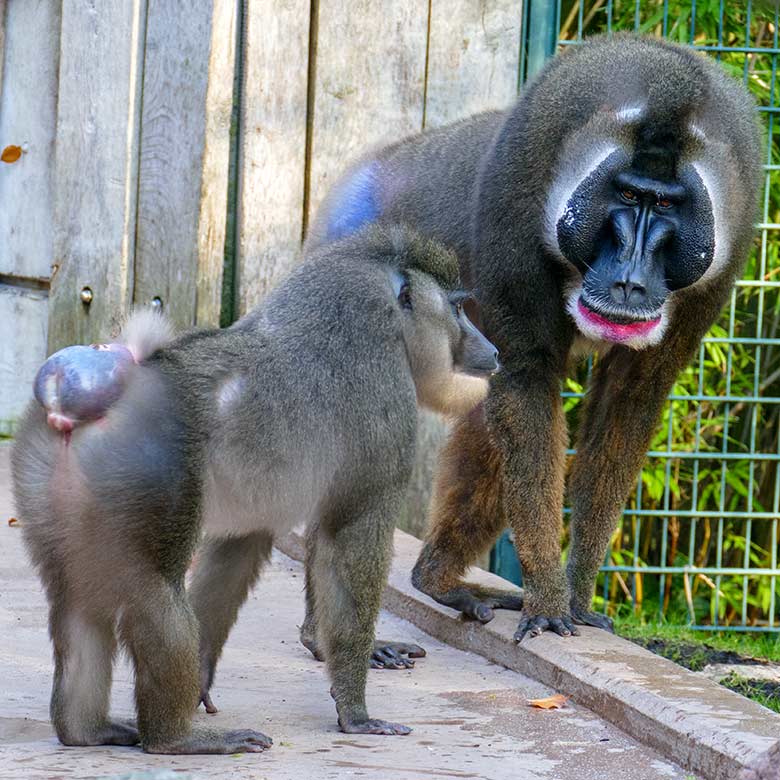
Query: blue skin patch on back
x=355, y=204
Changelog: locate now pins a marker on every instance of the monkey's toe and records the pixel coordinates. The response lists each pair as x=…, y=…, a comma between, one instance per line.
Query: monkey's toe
x=534, y=625
x=584, y=617
x=395, y=655
x=248, y=741
x=374, y=726
x=205, y=698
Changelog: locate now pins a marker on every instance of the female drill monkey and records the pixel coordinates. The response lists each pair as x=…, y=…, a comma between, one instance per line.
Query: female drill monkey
x=303, y=410
x=612, y=207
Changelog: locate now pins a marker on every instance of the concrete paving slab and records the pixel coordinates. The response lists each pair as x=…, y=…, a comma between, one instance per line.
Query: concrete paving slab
x=470, y=716
x=713, y=732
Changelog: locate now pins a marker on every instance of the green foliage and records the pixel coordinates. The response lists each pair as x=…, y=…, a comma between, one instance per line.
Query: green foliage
x=765, y=693
x=727, y=368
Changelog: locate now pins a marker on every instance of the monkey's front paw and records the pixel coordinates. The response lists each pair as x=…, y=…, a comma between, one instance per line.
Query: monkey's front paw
x=390, y=655
x=584, y=617
x=373, y=726
x=534, y=625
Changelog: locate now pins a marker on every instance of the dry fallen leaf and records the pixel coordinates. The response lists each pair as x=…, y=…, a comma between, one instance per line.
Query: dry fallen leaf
x=11, y=154
x=13, y=521
x=554, y=702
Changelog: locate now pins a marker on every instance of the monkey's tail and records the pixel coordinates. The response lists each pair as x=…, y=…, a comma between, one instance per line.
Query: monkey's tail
x=145, y=331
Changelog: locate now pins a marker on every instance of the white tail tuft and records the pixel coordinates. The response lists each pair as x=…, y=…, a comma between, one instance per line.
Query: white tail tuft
x=145, y=331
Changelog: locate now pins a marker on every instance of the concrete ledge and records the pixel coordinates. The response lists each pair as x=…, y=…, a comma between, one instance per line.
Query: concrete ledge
x=709, y=730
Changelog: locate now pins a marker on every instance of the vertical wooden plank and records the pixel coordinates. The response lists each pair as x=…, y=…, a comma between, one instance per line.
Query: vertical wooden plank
x=23, y=313
x=28, y=110
x=96, y=170
x=216, y=162
x=272, y=138
x=370, y=82
x=473, y=58
x=185, y=140
x=2, y=43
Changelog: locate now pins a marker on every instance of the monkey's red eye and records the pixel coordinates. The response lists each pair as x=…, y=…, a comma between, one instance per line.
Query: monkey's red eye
x=663, y=203
x=629, y=195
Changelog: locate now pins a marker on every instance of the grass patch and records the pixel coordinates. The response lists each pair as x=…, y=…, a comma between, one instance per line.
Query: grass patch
x=696, y=647
x=764, y=692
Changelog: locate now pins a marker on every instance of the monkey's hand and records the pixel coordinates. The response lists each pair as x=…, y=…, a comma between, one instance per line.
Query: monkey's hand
x=394, y=655
x=584, y=617
x=533, y=625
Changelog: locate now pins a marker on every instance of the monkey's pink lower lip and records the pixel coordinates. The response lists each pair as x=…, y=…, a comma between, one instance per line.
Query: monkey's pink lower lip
x=617, y=331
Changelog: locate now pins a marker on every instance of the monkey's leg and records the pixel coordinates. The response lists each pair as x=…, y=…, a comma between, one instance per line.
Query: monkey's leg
x=84, y=648
x=225, y=571
x=526, y=420
x=161, y=633
x=466, y=518
x=349, y=571
x=627, y=394
x=386, y=654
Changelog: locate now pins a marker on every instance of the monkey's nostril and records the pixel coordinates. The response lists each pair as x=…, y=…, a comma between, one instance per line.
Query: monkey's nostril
x=618, y=292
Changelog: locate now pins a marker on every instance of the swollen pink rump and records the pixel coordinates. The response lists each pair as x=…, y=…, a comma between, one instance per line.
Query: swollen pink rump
x=617, y=331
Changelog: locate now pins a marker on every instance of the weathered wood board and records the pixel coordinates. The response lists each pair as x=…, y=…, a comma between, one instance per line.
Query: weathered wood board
x=101, y=50
x=272, y=150
x=27, y=118
x=22, y=349
x=370, y=82
x=473, y=58
x=184, y=151
x=28, y=106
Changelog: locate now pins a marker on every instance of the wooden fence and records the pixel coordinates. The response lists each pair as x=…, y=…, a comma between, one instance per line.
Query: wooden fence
x=123, y=111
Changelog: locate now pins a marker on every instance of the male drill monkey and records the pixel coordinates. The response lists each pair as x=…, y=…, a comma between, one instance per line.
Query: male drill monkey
x=612, y=207
x=303, y=410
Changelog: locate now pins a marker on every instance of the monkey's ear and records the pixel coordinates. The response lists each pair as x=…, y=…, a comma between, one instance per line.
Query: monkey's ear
x=401, y=289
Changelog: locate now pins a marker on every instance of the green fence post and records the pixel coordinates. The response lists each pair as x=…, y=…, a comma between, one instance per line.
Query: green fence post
x=540, y=35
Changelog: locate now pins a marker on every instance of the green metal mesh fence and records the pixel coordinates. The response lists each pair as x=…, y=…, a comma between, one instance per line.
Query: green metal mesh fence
x=699, y=538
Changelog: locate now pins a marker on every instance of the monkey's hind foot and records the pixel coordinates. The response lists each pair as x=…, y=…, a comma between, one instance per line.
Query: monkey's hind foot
x=373, y=726
x=207, y=742
x=583, y=617
x=534, y=625
x=394, y=655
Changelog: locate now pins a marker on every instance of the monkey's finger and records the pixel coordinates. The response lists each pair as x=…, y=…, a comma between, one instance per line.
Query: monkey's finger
x=562, y=626
x=410, y=649
x=539, y=625
x=389, y=659
x=585, y=618
x=528, y=625
x=481, y=612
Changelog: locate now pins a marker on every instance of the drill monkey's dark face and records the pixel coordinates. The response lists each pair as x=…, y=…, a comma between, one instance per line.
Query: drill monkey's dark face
x=632, y=213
